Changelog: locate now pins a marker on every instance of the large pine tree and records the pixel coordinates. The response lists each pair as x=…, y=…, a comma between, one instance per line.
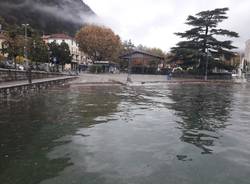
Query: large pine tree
x=203, y=39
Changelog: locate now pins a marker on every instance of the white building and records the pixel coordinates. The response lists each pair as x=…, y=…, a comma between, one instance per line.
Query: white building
x=78, y=57
x=247, y=52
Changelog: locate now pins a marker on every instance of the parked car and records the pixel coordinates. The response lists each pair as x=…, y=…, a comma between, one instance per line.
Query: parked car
x=177, y=69
x=8, y=64
x=19, y=67
x=44, y=67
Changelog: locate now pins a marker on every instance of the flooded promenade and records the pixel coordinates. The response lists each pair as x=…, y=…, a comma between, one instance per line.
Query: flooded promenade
x=161, y=133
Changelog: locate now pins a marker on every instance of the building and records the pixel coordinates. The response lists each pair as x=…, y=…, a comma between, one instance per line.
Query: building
x=2, y=40
x=141, y=62
x=105, y=67
x=247, y=53
x=78, y=57
x=247, y=50
x=229, y=65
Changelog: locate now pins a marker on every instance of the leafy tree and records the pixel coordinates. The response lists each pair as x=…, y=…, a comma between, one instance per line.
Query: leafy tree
x=203, y=39
x=100, y=43
x=15, y=40
x=6, y=26
x=158, y=52
x=127, y=46
x=14, y=45
x=64, y=54
x=60, y=54
x=38, y=50
x=1, y=57
x=54, y=53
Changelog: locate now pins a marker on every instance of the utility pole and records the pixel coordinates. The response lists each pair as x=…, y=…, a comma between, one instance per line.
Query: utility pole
x=29, y=73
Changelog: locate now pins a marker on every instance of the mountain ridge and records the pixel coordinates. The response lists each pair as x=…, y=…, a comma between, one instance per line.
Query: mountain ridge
x=49, y=16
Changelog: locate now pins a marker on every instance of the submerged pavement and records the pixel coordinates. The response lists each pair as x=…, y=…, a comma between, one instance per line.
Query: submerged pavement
x=136, y=79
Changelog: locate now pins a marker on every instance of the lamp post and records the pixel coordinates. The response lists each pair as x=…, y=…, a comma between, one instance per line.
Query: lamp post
x=130, y=47
x=29, y=74
x=208, y=54
x=26, y=40
x=129, y=69
x=34, y=50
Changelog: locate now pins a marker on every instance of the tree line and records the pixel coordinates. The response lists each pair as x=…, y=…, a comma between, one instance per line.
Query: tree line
x=16, y=43
x=204, y=46
x=201, y=48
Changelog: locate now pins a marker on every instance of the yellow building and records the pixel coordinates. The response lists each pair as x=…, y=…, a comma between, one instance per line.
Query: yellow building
x=2, y=40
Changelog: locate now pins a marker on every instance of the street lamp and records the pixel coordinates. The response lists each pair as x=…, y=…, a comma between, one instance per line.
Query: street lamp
x=26, y=40
x=130, y=47
x=208, y=54
x=29, y=74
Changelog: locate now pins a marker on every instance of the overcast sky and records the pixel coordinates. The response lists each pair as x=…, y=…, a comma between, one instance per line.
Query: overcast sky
x=153, y=22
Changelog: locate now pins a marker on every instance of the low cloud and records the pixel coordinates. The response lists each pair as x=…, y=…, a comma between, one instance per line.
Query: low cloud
x=154, y=22
x=62, y=11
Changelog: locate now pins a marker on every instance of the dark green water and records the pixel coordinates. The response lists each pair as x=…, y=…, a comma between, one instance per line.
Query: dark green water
x=159, y=134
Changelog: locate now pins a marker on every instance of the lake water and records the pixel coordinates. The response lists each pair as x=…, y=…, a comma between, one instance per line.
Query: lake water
x=152, y=134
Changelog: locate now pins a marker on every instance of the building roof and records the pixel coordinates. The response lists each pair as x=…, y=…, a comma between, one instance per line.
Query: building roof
x=105, y=62
x=57, y=36
x=126, y=56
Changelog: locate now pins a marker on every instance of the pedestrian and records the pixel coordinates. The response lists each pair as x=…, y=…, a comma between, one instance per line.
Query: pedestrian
x=167, y=74
x=170, y=75
x=29, y=74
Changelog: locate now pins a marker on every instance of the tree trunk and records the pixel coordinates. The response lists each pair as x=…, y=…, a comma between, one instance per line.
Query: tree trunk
x=203, y=60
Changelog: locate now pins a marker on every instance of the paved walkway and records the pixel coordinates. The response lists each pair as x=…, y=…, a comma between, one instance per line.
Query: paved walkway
x=121, y=78
x=110, y=79
x=34, y=81
x=102, y=79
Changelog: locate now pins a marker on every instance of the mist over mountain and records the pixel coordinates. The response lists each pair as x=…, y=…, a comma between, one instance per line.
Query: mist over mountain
x=49, y=16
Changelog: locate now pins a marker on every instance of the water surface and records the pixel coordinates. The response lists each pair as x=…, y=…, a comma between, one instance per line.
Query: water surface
x=171, y=133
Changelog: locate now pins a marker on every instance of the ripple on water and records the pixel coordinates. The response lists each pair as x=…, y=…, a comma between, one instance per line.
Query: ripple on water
x=185, y=134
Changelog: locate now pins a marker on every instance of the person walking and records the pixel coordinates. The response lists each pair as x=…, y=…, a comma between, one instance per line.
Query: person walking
x=29, y=74
x=170, y=75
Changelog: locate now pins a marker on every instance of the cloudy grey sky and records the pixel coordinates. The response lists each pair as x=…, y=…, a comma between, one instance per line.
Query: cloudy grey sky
x=153, y=22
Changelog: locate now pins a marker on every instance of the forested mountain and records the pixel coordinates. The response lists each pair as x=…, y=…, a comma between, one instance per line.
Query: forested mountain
x=49, y=16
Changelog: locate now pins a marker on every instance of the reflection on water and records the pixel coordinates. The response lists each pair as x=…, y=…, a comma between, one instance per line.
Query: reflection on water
x=204, y=110
x=31, y=127
x=176, y=133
